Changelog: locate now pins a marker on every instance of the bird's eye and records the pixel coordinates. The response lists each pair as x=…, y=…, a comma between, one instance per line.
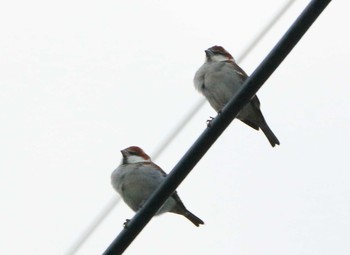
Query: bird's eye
x=132, y=153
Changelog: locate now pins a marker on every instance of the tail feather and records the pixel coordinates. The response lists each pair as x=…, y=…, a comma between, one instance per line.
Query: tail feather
x=193, y=218
x=180, y=208
x=269, y=134
x=260, y=121
x=253, y=117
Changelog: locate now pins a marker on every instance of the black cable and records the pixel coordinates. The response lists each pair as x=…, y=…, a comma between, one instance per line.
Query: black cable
x=95, y=222
x=218, y=125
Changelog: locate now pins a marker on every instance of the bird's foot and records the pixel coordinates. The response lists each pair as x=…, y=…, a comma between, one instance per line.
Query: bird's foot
x=125, y=224
x=209, y=121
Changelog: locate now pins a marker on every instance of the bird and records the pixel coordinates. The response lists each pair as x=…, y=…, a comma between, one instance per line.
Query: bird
x=137, y=177
x=219, y=79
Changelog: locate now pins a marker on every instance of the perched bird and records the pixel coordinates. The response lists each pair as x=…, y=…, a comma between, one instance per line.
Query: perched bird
x=137, y=177
x=219, y=79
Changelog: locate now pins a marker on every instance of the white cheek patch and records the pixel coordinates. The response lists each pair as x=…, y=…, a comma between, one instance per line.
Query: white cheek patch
x=218, y=58
x=136, y=159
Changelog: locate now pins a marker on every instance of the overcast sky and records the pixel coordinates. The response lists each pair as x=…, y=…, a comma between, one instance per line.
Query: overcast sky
x=81, y=80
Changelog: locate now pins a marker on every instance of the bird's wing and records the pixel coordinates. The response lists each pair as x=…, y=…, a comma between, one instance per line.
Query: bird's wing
x=240, y=72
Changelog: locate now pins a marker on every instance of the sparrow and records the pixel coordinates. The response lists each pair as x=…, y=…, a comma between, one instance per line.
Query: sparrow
x=137, y=177
x=219, y=79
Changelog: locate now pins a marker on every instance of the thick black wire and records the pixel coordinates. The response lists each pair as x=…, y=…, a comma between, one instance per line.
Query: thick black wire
x=75, y=246
x=218, y=125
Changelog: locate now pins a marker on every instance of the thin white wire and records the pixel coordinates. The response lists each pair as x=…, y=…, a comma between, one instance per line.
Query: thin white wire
x=115, y=199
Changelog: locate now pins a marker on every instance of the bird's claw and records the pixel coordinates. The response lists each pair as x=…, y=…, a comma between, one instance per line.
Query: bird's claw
x=209, y=121
x=125, y=224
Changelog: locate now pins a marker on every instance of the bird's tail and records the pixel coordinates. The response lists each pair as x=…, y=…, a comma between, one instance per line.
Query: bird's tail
x=262, y=124
x=180, y=208
x=269, y=134
x=193, y=218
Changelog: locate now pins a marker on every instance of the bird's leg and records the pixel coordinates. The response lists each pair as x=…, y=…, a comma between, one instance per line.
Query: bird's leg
x=125, y=224
x=210, y=120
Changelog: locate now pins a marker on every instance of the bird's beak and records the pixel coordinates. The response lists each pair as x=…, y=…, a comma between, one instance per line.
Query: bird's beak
x=124, y=153
x=208, y=52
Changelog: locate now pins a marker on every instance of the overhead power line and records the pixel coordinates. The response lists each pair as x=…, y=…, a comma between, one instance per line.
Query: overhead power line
x=240, y=58
x=95, y=222
x=218, y=125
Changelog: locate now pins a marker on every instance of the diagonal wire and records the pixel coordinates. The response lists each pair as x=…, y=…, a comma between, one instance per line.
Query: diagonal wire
x=240, y=58
x=115, y=199
x=249, y=88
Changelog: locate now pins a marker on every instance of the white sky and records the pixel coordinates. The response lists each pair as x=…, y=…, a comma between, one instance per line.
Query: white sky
x=81, y=80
